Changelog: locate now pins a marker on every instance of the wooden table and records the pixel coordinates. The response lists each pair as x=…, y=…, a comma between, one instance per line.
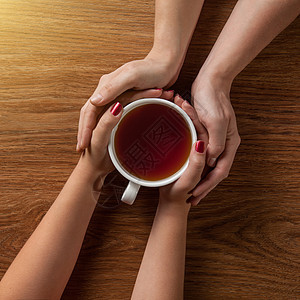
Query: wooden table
x=243, y=239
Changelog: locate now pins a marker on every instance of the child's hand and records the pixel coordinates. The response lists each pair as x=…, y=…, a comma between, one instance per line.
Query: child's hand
x=177, y=193
x=95, y=160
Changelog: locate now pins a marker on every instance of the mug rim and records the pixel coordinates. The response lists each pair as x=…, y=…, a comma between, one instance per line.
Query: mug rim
x=111, y=147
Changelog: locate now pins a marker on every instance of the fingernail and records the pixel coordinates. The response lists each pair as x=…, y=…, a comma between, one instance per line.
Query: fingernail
x=81, y=146
x=177, y=95
x=116, y=109
x=77, y=146
x=211, y=162
x=158, y=89
x=96, y=99
x=199, y=146
x=170, y=91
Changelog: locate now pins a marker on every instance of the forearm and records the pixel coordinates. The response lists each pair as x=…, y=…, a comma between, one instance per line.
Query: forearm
x=175, y=21
x=45, y=263
x=251, y=27
x=161, y=274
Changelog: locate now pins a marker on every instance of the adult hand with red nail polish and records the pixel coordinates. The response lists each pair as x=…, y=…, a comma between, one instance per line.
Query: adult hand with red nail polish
x=177, y=193
x=89, y=113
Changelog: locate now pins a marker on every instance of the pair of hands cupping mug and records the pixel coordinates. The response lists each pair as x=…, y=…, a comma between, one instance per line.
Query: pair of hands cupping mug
x=151, y=144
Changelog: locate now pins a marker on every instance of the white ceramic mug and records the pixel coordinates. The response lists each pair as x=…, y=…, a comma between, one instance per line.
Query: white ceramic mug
x=134, y=184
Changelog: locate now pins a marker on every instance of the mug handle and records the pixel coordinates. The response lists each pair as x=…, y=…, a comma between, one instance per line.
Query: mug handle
x=130, y=192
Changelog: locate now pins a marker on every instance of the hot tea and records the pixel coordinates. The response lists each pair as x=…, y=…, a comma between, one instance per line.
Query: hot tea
x=152, y=141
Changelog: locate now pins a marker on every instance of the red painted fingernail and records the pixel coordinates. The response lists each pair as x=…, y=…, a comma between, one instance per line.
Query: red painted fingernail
x=158, y=89
x=199, y=146
x=177, y=95
x=116, y=109
x=170, y=91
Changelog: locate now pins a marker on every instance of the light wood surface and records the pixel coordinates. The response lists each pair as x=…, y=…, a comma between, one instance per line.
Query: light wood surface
x=243, y=239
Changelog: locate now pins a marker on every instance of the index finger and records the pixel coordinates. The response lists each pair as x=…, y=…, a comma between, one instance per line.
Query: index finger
x=87, y=122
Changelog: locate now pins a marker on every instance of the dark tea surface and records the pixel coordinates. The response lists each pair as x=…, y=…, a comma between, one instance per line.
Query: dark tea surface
x=153, y=141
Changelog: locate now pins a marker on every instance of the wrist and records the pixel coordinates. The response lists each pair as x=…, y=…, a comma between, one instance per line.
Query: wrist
x=169, y=58
x=218, y=70
x=175, y=209
x=92, y=177
x=171, y=54
x=209, y=77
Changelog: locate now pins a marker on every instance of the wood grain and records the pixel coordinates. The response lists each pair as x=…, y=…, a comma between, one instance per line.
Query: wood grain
x=243, y=239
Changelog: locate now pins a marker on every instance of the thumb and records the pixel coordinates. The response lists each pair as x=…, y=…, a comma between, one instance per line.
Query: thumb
x=111, y=86
x=192, y=175
x=107, y=122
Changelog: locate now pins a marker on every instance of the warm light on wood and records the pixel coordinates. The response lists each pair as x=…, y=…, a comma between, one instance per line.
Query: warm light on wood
x=243, y=239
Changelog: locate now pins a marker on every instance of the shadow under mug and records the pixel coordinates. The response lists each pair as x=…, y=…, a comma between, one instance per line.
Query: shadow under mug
x=135, y=182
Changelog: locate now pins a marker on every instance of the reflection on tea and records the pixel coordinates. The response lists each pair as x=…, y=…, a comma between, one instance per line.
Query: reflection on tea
x=152, y=142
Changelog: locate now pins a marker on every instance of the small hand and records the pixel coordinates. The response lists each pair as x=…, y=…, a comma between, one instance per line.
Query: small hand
x=89, y=114
x=215, y=112
x=95, y=159
x=177, y=193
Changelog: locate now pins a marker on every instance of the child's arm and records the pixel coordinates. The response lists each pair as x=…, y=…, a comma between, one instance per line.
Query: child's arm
x=43, y=266
x=161, y=273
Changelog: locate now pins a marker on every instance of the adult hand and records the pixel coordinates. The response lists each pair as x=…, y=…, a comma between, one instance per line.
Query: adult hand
x=90, y=114
x=212, y=104
x=150, y=72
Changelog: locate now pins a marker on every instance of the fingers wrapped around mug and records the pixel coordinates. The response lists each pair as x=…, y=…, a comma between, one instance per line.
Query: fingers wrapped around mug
x=107, y=122
x=180, y=191
x=192, y=175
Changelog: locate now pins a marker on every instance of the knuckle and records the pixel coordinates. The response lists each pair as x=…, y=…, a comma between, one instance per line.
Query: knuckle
x=132, y=74
x=88, y=113
x=107, y=87
x=128, y=67
x=221, y=118
x=222, y=174
x=226, y=117
x=216, y=150
x=216, y=122
x=225, y=175
x=105, y=122
x=198, y=163
x=103, y=78
x=82, y=110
